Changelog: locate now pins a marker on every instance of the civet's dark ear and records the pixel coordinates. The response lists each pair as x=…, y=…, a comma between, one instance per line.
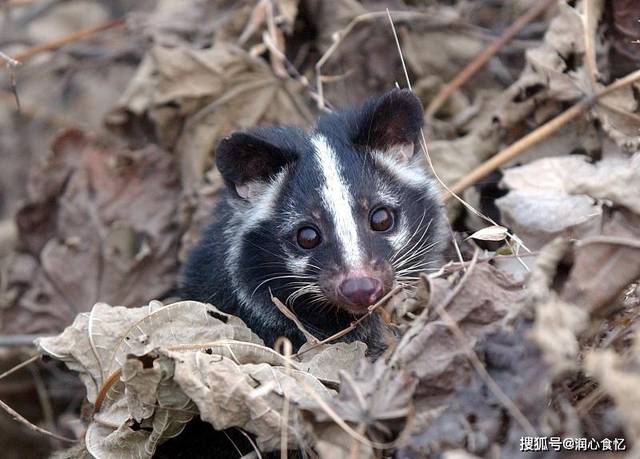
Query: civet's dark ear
x=391, y=124
x=246, y=161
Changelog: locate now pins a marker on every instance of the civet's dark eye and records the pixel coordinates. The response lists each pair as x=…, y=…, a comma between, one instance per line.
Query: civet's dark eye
x=308, y=237
x=381, y=219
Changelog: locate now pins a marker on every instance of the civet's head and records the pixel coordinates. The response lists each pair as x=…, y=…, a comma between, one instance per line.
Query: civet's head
x=336, y=216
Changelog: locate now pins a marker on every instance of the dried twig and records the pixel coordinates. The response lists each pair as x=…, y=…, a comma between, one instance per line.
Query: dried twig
x=589, y=25
x=537, y=136
x=20, y=365
x=70, y=38
x=474, y=66
x=11, y=65
x=36, y=112
x=102, y=394
x=286, y=349
x=343, y=424
x=11, y=62
x=15, y=415
x=424, y=315
x=354, y=324
x=291, y=316
x=49, y=420
x=613, y=240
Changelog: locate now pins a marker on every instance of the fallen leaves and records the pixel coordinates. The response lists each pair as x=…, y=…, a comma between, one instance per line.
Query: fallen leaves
x=429, y=348
x=567, y=195
x=195, y=97
x=98, y=224
x=483, y=358
x=149, y=370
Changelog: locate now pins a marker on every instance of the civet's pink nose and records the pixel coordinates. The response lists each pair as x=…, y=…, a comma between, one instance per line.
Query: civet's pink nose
x=361, y=291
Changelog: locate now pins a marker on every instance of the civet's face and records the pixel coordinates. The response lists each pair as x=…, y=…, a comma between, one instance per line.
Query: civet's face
x=337, y=216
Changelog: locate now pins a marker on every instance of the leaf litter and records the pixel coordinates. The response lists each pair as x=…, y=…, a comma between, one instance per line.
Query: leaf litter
x=491, y=350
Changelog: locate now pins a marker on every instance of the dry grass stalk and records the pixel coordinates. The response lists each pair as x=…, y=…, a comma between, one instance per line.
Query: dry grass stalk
x=15, y=415
x=18, y=417
x=67, y=39
x=291, y=316
x=372, y=309
x=538, y=135
x=481, y=60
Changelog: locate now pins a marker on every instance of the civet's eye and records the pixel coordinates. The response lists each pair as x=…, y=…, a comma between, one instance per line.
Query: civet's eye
x=381, y=219
x=308, y=237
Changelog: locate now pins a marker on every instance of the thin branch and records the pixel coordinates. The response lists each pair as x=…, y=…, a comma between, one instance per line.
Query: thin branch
x=588, y=26
x=20, y=365
x=354, y=324
x=286, y=349
x=480, y=61
x=291, y=316
x=343, y=424
x=11, y=62
x=18, y=417
x=424, y=315
x=67, y=39
x=538, y=135
x=614, y=240
x=36, y=112
x=48, y=415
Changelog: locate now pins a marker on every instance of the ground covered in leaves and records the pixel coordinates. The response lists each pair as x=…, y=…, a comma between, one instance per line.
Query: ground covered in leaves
x=106, y=143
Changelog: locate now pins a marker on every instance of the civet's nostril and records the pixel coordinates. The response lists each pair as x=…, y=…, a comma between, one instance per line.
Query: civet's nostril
x=361, y=291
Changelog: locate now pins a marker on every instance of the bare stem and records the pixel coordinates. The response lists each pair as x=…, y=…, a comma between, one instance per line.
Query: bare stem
x=537, y=136
x=480, y=61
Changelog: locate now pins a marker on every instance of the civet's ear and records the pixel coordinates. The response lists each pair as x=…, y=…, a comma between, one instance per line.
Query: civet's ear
x=391, y=124
x=247, y=161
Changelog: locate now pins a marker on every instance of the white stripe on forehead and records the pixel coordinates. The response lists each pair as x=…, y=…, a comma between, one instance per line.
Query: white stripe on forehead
x=338, y=201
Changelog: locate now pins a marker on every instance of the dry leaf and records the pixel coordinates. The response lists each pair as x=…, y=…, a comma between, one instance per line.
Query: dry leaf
x=619, y=377
x=432, y=352
x=490, y=233
x=474, y=418
x=553, y=196
x=192, y=23
x=99, y=224
x=195, y=97
x=327, y=361
x=377, y=399
x=184, y=359
x=600, y=271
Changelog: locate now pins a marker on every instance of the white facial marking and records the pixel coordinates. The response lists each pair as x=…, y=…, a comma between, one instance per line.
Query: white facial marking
x=384, y=194
x=338, y=201
x=247, y=216
x=400, y=237
x=409, y=174
x=297, y=265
